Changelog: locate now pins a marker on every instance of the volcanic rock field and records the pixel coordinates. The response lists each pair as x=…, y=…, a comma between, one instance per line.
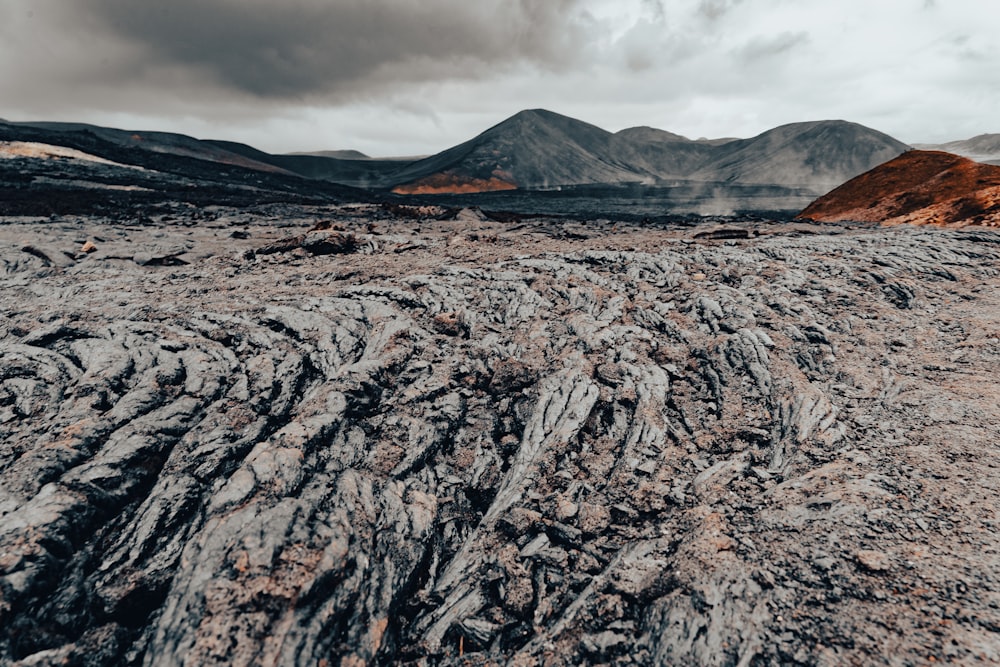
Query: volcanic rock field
x=348, y=435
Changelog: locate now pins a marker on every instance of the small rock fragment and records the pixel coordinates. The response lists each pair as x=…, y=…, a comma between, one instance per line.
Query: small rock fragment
x=451, y=324
x=875, y=561
x=518, y=521
x=592, y=518
x=566, y=508
x=511, y=375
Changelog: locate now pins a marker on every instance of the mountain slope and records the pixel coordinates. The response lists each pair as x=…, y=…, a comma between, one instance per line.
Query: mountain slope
x=356, y=172
x=819, y=155
x=156, y=142
x=75, y=170
x=346, y=154
x=918, y=187
x=658, y=152
x=361, y=172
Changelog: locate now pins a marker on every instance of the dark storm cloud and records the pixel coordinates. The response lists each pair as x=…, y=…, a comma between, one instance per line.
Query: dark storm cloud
x=303, y=48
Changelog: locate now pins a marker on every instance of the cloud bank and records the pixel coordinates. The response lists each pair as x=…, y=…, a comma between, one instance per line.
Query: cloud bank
x=282, y=51
x=415, y=76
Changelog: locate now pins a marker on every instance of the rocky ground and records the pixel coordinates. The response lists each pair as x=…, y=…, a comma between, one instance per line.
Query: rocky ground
x=228, y=437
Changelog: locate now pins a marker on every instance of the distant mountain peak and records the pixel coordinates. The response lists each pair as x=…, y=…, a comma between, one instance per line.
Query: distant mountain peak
x=981, y=148
x=818, y=155
x=540, y=113
x=544, y=117
x=343, y=154
x=647, y=133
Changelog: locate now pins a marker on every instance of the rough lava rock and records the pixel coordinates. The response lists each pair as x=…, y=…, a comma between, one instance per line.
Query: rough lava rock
x=463, y=442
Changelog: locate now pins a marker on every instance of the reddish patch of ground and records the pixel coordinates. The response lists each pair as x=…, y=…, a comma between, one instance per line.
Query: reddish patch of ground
x=918, y=187
x=446, y=183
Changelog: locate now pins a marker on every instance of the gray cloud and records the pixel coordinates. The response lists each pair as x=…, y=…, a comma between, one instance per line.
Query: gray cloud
x=408, y=76
x=654, y=8
x=301, y=49
x=767, y=47
x=713, y=10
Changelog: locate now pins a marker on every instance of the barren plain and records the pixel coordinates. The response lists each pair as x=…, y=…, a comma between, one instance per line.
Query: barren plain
x=377, y=435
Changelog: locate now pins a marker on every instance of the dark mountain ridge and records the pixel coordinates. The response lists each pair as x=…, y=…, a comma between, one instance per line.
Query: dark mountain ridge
x=363, y=172
x=195, y=172
x=156, y=142
x=540, y=149
x=535, y=150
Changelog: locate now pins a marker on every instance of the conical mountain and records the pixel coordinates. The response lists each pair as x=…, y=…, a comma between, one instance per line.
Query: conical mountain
x=533, y=149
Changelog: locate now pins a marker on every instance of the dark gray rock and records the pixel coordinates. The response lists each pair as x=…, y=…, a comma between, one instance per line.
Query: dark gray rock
x=533, y=450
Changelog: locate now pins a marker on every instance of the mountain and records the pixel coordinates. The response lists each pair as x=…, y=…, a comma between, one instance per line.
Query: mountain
x=363, y=172
x=533, y=149
x=981, y=148
x=339, y=155
x=60, y=168
x=658, y=153
x=539, y=149
x=155, y=142
x=817, y=155
x=350, y=170
x=918, y=187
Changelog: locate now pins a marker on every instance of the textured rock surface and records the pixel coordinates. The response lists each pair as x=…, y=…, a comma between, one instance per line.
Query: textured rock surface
x=473, y=443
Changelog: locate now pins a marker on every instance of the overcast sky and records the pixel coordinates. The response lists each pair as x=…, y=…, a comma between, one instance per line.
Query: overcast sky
x=406, y=77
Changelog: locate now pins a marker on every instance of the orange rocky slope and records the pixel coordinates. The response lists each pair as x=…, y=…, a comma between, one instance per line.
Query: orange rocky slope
x=918, y=187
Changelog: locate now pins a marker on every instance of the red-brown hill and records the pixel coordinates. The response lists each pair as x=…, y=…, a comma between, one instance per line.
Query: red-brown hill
x=918, y=187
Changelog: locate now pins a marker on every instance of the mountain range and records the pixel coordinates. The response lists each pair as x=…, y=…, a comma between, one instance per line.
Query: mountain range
x=539, y=149
x=534, y=150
